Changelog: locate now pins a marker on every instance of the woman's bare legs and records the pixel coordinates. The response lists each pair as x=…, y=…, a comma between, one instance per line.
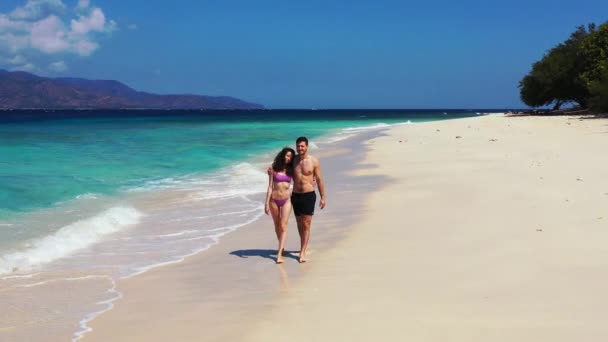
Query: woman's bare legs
x=280, y=216
x=285, y=212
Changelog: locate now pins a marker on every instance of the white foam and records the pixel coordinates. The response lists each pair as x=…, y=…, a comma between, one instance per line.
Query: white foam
x=164, y=183
x=40, y=283
x=231, y=213
x=375, y=126
x=337, y=138
x=346, y=133
x=216, y=194
x=366, y=128
x=183, y=232
x=69, y=239
x=214, y=237
x=88, y=195
x=237, y=181
x=81, y=197
x=24, y=276
x=109, y=304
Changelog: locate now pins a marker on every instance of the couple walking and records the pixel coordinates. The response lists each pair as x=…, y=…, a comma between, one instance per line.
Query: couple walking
x=305, y=171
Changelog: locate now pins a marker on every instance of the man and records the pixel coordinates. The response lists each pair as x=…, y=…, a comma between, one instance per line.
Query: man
x=307, y=171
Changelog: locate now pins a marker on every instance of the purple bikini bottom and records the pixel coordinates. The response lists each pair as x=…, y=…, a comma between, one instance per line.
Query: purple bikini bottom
x=280, y=202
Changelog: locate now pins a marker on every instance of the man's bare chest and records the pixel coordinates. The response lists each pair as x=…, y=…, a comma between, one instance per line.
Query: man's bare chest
x=304, y=168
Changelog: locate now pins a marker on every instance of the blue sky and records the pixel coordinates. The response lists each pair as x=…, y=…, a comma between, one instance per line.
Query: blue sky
x=297, y=54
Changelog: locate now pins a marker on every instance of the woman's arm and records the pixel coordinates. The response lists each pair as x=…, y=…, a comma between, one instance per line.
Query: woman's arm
x=268, y=193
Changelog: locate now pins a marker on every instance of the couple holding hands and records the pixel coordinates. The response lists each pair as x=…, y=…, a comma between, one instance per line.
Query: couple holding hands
x=304, y=170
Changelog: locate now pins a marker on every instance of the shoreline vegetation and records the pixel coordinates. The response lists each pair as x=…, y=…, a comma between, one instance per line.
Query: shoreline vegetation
x=558, y=112
x=573, y=72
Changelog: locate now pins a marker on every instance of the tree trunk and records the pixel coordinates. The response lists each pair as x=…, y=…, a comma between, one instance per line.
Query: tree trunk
x=557, y=105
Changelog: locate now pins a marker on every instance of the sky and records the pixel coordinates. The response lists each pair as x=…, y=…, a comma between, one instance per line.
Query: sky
x=297, y=54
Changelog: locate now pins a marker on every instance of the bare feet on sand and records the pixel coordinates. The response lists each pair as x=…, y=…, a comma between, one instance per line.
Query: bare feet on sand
x=280, y=256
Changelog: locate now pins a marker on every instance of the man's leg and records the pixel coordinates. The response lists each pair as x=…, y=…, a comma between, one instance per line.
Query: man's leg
x=304, y=230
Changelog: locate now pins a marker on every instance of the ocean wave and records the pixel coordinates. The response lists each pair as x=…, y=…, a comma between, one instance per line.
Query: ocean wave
x=235, y=180
x=214, y=238
x=109, y=305
x=349, y=132
x=69, y=239
x=312, y=145
x=88, y=195
x=366, y=128
x=336, y=138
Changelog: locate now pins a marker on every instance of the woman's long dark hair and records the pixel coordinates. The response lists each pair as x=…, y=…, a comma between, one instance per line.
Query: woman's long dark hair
x=278, y=165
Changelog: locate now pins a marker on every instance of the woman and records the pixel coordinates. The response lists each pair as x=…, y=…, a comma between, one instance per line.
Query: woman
x=278, y=203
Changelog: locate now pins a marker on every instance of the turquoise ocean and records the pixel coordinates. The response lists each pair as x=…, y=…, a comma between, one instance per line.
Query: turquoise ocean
x=110, y=194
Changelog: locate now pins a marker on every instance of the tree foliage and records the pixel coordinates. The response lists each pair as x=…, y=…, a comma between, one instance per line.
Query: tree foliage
x=598, y=88
x=595, y=50
x=573, y=71
x=556, y=78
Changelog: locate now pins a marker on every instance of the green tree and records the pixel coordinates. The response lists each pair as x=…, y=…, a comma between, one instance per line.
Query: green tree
x=594, y=50
x=598, y=101
x=595, y=74
x=556, y=78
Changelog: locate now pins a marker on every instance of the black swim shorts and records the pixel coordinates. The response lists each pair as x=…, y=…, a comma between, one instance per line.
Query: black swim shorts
x=303, y=203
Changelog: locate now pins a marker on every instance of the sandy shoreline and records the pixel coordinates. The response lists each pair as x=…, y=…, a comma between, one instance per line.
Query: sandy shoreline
x=497, y=235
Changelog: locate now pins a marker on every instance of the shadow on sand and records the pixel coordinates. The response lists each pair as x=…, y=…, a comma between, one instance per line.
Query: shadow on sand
x=264, y=253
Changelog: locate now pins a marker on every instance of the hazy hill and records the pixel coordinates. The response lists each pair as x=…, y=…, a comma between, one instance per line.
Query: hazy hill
x=23, y=90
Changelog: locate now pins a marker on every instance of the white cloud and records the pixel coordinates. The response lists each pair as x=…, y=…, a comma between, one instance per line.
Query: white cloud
x=9, y=25
x=25, y=67
x=85, y=47
x=132, y=27
x=12, y=44
x=37, y=9
x=46, y=27
x=96, y=21
x=58, y=66
x=49, y=35
x=18, y=59
x=83, y=4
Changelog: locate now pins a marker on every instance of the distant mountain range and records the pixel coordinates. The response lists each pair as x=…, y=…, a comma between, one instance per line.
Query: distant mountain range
x=23, y=90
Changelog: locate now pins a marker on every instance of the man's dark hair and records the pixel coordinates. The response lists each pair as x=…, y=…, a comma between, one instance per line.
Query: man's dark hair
x=300, y=139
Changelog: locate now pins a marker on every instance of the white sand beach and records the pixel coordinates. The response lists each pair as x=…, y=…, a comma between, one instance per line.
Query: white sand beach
x=491, y=228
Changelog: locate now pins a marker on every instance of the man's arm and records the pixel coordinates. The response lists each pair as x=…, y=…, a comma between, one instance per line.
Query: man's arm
x=318, y=175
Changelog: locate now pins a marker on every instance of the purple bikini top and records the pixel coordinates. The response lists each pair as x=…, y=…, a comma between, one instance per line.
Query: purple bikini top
x=281, y=177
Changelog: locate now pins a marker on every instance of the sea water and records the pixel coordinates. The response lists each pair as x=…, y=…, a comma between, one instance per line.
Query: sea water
x=88, y=197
